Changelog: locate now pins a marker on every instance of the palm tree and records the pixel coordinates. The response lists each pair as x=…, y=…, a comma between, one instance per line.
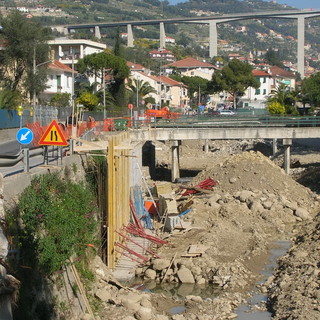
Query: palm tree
x=285, y=96
x=139, y=88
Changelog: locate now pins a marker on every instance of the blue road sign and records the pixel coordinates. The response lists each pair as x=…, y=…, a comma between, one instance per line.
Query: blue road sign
x=24, y=136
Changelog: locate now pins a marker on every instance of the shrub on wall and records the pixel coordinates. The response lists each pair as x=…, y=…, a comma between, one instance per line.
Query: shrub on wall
x=59, y=217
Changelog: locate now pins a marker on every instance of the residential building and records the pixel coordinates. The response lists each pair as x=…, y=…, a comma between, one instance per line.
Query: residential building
x=68, y=51
x=280, y=76
x=60, y=78
x=163, y=54
x=168, y=91
x=191, y=67
x=257, y=98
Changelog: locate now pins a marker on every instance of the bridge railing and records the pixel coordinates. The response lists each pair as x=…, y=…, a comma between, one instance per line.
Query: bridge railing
x=234, y=121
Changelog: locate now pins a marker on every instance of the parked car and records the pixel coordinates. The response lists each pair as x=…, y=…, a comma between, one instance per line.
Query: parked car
x=227, y=112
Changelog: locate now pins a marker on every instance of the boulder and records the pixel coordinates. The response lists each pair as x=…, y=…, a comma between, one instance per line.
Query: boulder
x=302, y=214
x=160, y=264
x=150, y=274
x=245, y=195
x=143, y=314
x=185, y=275
x=103, y=294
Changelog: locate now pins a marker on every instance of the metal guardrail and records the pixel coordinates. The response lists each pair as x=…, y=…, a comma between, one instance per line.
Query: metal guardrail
x=190, y=122
x=235, y=121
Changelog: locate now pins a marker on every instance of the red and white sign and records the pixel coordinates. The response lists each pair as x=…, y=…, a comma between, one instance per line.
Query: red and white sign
x=130, y=106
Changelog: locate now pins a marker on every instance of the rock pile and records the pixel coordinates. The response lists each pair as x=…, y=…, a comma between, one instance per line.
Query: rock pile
x=294, y=289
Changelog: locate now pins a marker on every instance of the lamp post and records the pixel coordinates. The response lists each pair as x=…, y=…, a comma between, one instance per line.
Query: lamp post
x=137, y=89
x=73, y=130
x=104, y=93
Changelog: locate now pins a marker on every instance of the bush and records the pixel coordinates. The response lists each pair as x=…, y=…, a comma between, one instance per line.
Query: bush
x=59, y=218
x=275, y=107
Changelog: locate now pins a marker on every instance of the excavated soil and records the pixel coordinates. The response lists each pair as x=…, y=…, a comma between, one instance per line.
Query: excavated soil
x=254, y=204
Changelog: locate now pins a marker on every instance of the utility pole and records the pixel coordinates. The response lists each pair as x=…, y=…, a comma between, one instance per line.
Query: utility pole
x=104, y=93
x=73, y=132
x=137, y=89
x=34, y=87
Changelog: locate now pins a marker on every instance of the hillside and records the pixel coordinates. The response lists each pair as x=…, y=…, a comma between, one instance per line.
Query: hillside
x=255, y=36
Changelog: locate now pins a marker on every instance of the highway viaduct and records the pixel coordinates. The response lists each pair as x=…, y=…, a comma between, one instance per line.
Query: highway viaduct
x=176, y=135
x=212, y=21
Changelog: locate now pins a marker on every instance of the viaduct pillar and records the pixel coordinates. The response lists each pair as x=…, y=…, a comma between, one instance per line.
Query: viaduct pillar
x=175, y=170
x=287, y=145
x=97, y=33
x=130, y=36
x=301, y=35
x=162, y=36
x=213, y=39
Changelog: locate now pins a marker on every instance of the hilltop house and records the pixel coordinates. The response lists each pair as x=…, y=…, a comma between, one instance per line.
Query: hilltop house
x=191, y=67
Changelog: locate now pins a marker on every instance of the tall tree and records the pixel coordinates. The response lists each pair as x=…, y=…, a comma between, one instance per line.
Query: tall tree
x=234, y=78
x=310, y=89
x=97, y=64
x=273, y=58
x=25, y=47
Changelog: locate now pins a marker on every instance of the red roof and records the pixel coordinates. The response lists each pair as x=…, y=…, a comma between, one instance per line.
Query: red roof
x=190, y=63
x=160, y=51
x=135, y=66
x=56, y=65
x=279, y=72
x=260, y=73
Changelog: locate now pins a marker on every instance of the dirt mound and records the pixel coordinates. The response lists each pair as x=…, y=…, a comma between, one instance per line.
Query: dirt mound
x=253, y=171
x=254, y=204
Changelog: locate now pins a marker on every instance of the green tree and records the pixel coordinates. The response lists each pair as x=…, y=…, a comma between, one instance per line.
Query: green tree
x=234, y=78
x=286, y=97
x=273, y=58
x=97, y=64
x=61, y=100
x=26, y=43
x=310, y=89
x=9, y=99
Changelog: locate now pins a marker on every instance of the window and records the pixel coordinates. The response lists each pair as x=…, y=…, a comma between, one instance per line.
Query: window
x=257, y=92
x=264, y=80
x=264, y=92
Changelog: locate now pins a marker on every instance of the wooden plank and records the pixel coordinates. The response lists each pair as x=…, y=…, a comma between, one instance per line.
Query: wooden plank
x=191, y=255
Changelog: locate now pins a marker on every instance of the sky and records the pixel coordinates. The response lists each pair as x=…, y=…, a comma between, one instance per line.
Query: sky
x=301, y=4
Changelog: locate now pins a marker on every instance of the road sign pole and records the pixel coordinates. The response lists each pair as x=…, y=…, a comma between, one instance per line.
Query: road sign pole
x=45, y=155
x=26, y=159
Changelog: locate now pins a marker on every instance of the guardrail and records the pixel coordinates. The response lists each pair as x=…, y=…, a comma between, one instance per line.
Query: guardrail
x=234, y=121
x=89, y=131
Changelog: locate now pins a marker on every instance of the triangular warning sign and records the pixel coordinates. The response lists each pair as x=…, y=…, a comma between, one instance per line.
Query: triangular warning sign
x=53, y=136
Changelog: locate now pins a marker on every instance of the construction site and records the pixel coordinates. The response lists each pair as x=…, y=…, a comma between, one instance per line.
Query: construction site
x=195, y=248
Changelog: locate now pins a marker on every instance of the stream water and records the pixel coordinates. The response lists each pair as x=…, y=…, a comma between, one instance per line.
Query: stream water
x=247, y=311
x=244, y=312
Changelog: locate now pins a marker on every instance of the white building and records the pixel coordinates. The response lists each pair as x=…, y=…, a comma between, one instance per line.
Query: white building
x=59, y=80
x=66, y=50
x=257, y=98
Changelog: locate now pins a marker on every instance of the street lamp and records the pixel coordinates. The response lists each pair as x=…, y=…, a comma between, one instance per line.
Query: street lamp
x=104, y=93
x=137, y=89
